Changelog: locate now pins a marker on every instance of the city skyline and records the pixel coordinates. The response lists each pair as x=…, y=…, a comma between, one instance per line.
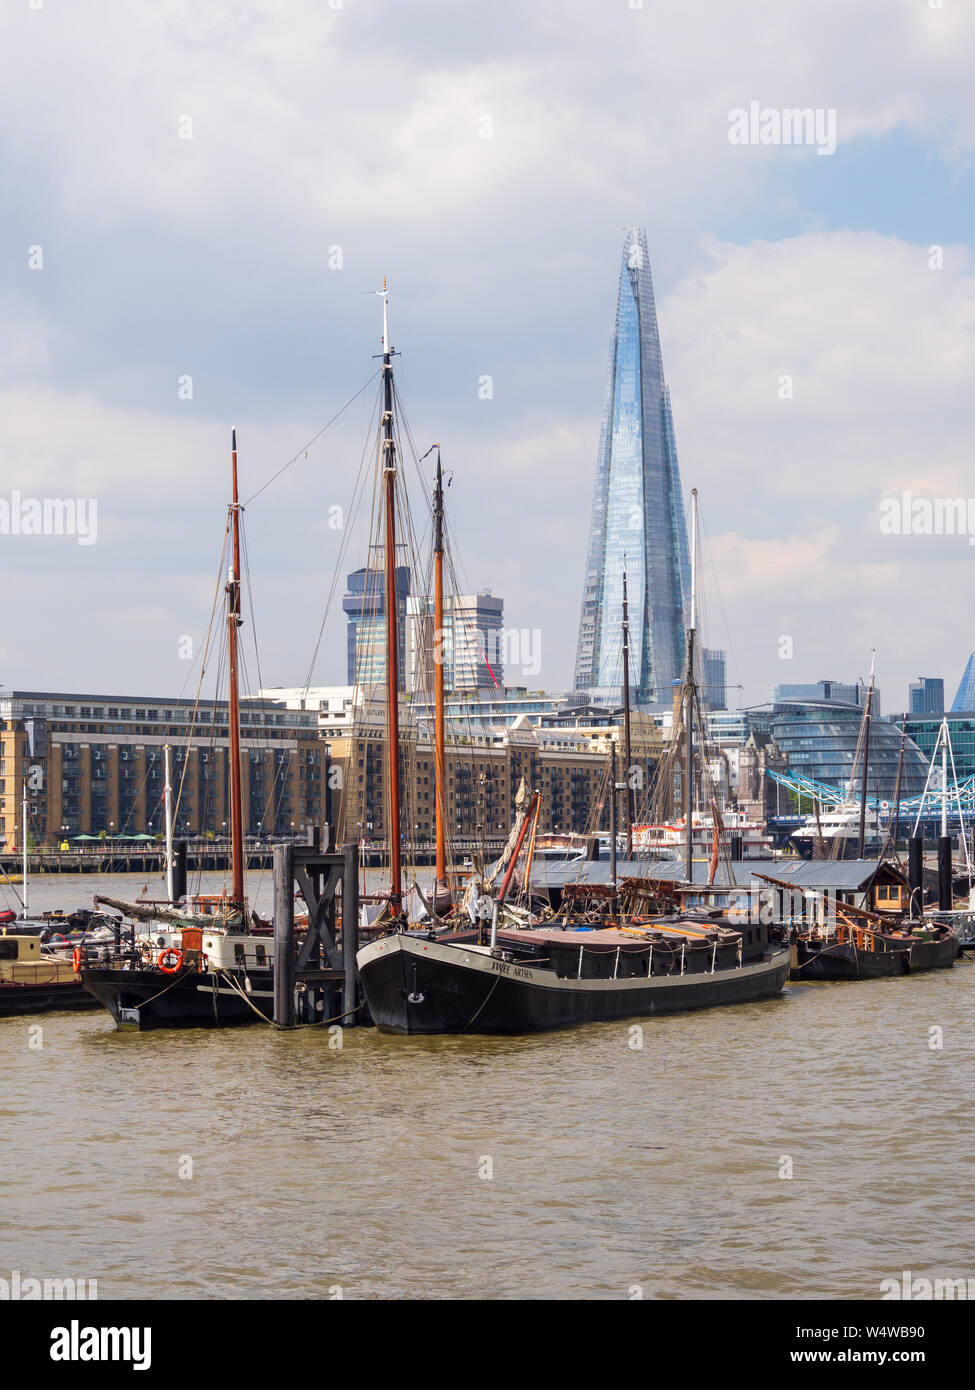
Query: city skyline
x=817, y=315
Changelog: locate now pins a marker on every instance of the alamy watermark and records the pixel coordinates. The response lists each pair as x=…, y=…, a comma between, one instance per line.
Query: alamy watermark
x=25, y=1289
x=792, y=125
x=918, y=1289
x=467, y=648
x=49, y=516
x=908, y=515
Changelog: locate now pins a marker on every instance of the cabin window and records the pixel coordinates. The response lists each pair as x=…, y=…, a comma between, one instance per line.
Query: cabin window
x=239, y=958
x=261, y=955
x=8, y=950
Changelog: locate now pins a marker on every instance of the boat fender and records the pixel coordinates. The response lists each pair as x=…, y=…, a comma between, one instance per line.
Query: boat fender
x=76, y=960
x=171, y=961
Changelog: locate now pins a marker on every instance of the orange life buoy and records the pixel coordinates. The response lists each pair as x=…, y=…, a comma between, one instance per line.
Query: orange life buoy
x=76, y=960
x=174, y=954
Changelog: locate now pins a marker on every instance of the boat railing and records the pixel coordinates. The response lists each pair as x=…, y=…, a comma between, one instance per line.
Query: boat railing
x=45, y=972
x=963, y=921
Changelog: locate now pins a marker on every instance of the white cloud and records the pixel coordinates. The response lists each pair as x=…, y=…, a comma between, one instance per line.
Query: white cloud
x=360, y=127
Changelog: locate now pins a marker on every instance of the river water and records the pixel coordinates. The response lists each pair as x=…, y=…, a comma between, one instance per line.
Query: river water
x=562, y=1165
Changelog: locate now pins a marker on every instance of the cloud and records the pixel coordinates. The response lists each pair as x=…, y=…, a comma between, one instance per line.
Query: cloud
x=486, y=160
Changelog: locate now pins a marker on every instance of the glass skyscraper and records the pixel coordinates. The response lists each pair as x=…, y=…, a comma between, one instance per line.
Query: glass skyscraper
x=965, y=698
x=364, y=605
x=637, y=513
x=926, y=695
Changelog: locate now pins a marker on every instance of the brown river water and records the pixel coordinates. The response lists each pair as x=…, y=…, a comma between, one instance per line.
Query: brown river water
x=563, y=1165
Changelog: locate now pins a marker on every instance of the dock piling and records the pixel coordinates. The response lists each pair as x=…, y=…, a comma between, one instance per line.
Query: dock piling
x=284, y=936
x=350, y=935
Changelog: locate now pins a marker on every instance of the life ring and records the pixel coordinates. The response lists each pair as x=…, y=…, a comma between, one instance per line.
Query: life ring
x=76, y=960
x=172, y=953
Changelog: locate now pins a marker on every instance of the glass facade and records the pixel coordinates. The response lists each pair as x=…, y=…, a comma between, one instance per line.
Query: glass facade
x=961, y=733
x=364, y=605
x=638, y=511
x=713, y=678
x=820, y=741
x=826, y=690
x=926, y=695
x=965, y=698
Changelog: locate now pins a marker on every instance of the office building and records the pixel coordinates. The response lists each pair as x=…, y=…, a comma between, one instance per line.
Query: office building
x=637, y=512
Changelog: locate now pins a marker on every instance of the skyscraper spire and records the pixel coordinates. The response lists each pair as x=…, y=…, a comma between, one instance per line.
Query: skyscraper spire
x=637, y=508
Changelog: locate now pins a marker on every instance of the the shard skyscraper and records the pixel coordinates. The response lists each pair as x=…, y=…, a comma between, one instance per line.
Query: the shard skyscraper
x=637, y=511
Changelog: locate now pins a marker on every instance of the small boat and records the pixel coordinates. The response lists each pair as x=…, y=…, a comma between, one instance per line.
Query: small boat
x=34, y=978
x=869, y=951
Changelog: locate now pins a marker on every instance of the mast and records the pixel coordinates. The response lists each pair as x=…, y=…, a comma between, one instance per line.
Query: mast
x=944, y=781
x=897, y=784
x=23, y=848
x=392, y=626
x=439, y=763
x=168, y=802
x=612, y=815
x=627, y=757
x=689, y=707
x=866, y=762
x=233, y=623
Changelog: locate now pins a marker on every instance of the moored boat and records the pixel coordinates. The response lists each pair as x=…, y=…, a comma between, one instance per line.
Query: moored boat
x=203, y=979
x=207, y=967
x=34, y=978
x=547, y=978
x=854, y=952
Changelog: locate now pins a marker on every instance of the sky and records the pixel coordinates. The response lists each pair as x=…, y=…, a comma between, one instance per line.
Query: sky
x=200, y=199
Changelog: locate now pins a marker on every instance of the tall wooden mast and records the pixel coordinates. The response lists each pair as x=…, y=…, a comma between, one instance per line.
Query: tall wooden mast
x=689, y=691
x=627, y=756
x=440, y=780
x=392, y=622
x=233, y=623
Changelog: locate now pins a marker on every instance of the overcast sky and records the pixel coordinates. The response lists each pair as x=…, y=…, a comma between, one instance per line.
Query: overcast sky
x=188, y=171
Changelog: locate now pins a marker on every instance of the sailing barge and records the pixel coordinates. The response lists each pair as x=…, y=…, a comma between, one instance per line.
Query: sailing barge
x=868, y=951
x=206, y=967
x=547, y=978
